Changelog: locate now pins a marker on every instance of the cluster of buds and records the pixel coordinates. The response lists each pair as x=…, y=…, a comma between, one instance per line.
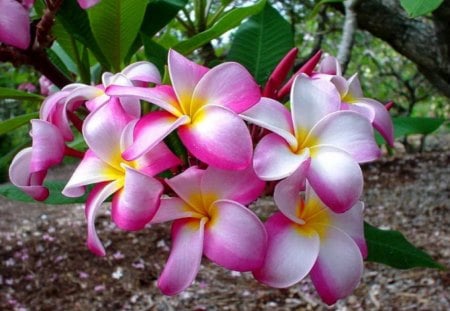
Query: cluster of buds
x=311, y=151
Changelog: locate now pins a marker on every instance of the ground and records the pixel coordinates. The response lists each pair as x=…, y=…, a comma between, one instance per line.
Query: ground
x=45, y=265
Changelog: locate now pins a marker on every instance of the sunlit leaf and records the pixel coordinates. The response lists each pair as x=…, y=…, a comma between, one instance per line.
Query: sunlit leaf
x=76, y=22
x=115, y=25
x=228, y=21
x=420, y=7
x=391, y=248
x=261, y=42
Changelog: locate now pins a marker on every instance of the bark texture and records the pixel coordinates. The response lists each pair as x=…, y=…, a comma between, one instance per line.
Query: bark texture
x=425, y=40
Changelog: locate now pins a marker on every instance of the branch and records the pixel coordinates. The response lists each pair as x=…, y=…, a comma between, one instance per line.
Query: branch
x=425, y=41
x=350, y=25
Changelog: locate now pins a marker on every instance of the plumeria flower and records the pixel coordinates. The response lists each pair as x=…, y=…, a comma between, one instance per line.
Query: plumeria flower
x=203, y=105
x=53, y=130
x=136, y=74
x=353, y=99
x=305, y=237
x=210, y=218
x=334, y=140
x=29, y=167
x=108, y=131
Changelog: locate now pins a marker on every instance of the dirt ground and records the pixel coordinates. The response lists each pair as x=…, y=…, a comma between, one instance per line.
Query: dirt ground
x=45, y=265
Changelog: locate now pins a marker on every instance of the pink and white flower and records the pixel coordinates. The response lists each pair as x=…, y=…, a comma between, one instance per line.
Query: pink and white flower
x=203, y=105
x=108, y=131
x=352, y=98
x=210, y=218
x=305, y=237
x=334, y=140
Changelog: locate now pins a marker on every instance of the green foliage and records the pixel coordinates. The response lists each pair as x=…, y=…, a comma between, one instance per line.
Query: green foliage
x=13, y=123
x=404, y=126
x=415, y=125
x=19, y=95
x=392, y=249
x=261, y=42
x=417, y=8
x=55, y=187
x=116, y=33
x=228, y=21
x=159, y=13
x=76, y=22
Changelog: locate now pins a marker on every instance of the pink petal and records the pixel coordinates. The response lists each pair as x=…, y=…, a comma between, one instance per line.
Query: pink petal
x=162, y=96
x=21, y=177
x=46, y=137
x=348, y=131
x=49, y=104
x=94, y=201
x=136, y=203
x=311, y=100
x=184, y=75
x=382, y=121
x=340, y=83
x=352, y=223
x=157, y=160
x=240, y=186
x=290, y=254
x=228, y=85
x=14, y=24
x=102, y=131
x=274, y=158
x=185, y=257
x=153, y=162
x=287, y=192
x=338, y=268
x=91, y=170
x=235, y=238
x=336, y=178
x=86, y=4
x=173, y=208
x=274, y=116
x=142, y=71
x=330, y=65
x=218, y=137
x=187, y=185
x=150, y=131
x=354, y=87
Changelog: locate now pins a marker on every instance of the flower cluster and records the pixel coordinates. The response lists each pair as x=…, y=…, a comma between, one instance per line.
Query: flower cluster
x=236, y=141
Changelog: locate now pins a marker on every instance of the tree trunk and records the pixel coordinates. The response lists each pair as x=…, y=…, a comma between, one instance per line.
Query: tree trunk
x=425, y=40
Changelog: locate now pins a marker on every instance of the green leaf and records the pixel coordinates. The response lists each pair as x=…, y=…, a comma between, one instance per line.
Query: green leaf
x=76, y=22
x=55, y=187
x=228, y=21
x=159, y=13
x=420, y=7
x=19, y=95
x=404, y=126
x=115, y=25
x=57, y=61
x=261, y=42
x=391, y=248
x=154, y=52
x=13, y=123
